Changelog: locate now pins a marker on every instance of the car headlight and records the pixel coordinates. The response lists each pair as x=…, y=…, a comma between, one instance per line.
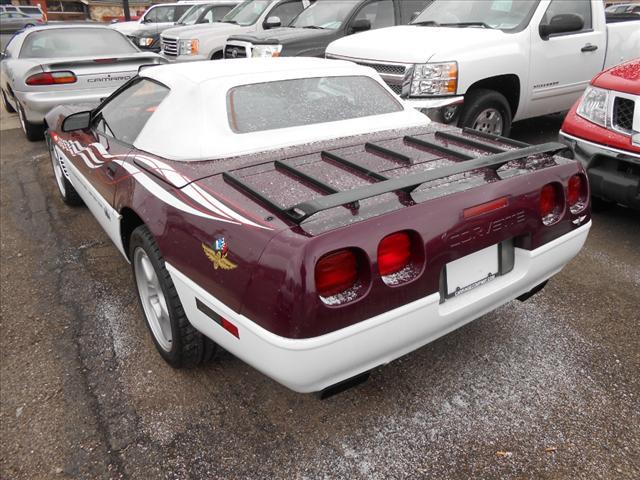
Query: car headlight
x=594, y=106
x=189, y=47
x=266, y=51
x=145, y=41
x=434, y=79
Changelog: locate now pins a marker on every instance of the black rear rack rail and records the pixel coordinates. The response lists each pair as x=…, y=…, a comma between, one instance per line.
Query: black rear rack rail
x=304, y=210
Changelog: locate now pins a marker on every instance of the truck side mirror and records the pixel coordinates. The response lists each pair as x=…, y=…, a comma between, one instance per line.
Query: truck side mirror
x=272, y=22
x=563, y=23
x=77, y=121
x=360, y=25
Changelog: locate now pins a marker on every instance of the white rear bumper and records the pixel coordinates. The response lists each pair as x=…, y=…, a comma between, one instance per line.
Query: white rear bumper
x=309, y=365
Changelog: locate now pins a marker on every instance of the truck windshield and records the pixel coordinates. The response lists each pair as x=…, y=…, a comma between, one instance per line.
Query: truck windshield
x=328, y=14
x=501, y=14
x=306, y=101
x=247, y=13
x=191, y=16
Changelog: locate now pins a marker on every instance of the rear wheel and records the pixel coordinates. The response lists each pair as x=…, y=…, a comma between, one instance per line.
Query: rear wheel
x=33, y=131
x=487, y=111
x=5, y=102
x=177, y=341
x=67, y=192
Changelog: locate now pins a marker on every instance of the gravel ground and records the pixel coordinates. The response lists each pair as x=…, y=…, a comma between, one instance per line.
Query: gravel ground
x=543, y=389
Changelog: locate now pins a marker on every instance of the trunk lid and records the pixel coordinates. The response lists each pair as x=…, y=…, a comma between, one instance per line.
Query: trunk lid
x=97, y=72
x=298, y=186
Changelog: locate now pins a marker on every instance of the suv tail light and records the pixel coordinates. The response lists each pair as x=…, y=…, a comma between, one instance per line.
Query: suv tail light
x=51, y=78
x=577, y=193
x=550, y=203
x=394, y=253
x=336, y=272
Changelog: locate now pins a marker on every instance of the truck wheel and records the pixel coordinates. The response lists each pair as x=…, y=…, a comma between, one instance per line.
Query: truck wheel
x=176, y=340
x=67, y=192
x=33, y=131
x=487, y=111
x=5, y=103
x=217, y=55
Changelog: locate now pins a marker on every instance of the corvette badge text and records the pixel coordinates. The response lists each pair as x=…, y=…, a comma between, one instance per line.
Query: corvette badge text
x=495, y=226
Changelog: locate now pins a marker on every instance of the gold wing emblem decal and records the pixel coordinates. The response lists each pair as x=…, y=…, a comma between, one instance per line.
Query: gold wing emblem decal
x=218, y=259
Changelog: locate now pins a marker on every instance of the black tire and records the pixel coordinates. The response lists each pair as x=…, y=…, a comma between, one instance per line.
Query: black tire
x=217, y=55
x=68, y=194
x=189, y=347
x=5, y=103
x=33, y=131
x=478, y=103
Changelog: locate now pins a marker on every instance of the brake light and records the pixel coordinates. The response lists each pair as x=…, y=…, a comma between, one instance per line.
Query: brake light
x=51, y=78
x=550, y=204
x=336, y=272
x=485, y=208
x=394, y=253
x=577, y=193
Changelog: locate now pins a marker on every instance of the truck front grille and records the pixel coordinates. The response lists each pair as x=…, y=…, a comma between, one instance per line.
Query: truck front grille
x=235, y=51
x=385, y=69
x=170, y=46
x=394, y=74
x=623, y=110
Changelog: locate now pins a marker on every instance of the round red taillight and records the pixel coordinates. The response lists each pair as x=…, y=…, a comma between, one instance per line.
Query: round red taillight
x=394, y=253
x=577, y=193
x=550, y=206
x=336, y=272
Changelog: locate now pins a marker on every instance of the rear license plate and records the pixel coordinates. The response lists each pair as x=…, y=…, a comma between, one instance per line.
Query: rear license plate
x=471, y=271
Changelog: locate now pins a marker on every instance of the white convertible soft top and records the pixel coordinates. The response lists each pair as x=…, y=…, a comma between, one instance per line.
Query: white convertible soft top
x=192, y=122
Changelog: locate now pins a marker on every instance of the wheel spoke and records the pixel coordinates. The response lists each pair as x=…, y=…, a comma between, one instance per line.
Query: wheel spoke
x=147, y=268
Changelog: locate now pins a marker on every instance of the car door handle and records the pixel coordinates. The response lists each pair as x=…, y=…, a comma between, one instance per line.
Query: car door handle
x=589, y=48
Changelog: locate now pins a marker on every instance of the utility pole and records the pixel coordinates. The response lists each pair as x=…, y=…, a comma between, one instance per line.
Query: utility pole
x=125, y=7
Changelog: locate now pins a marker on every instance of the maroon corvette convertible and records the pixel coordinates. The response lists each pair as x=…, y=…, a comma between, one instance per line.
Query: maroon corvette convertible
x=298, y=214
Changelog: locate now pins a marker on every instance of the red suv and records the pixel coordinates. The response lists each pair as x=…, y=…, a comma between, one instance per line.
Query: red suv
x=603, y=129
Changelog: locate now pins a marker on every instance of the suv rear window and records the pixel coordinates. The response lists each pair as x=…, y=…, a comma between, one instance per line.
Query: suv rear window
x=306, y=101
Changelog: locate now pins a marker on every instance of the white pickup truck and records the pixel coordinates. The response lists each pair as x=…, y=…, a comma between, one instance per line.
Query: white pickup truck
x=206, y=42
x=487, y=63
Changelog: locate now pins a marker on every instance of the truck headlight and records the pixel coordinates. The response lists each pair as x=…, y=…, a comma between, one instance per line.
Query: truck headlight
x=189, y=47
x=266, y=51
x=145, y=41
x=434, y=79
x=594, y=106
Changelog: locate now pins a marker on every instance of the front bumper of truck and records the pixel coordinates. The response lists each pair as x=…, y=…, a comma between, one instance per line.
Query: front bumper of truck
x=614, y=174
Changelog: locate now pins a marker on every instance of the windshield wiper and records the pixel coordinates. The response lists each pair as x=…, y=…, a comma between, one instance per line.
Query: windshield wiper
x=315, y=27
x=427, y=23
x=467, y=24
x=230, y=21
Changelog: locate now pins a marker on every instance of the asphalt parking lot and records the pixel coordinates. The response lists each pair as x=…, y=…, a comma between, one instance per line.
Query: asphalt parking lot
x=543, y=389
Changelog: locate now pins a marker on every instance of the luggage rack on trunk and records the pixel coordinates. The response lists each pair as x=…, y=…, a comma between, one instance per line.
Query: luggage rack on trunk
x=403, y=185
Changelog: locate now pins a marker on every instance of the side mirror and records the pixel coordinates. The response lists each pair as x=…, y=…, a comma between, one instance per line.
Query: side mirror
x=563, y=23
x=77, y=121
x=147, y=20
x=360, y=25
x=272, y=22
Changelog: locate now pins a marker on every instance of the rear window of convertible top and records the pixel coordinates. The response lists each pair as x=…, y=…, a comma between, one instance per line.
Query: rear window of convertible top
x=306, y=101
